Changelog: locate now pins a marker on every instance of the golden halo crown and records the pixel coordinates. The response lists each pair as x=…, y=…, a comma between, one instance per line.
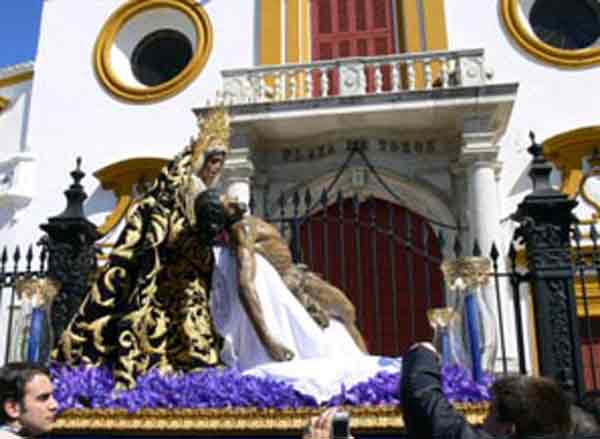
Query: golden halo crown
x=215, y=128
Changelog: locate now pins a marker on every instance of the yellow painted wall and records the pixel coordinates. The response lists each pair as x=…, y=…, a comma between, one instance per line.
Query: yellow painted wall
x=270, y=32
x=297, y=32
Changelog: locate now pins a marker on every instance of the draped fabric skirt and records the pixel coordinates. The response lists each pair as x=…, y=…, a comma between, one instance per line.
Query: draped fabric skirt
x=324, y=360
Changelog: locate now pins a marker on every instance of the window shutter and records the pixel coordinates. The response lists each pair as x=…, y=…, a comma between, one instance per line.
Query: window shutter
x=343, y=15
x=345, y=48
x=324, y=14
x=380, y=13
x=361, y=15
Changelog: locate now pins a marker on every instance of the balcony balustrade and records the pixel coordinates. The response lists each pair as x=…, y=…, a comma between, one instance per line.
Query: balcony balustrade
x=357, y=76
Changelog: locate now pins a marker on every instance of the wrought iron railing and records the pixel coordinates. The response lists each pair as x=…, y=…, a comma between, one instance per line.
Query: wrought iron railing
x=586, y=258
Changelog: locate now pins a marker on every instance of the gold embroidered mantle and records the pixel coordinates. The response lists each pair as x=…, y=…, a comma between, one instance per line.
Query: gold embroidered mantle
x=150, y=305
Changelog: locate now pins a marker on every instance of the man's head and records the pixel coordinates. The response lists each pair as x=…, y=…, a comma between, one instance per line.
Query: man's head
x=26, y=398
x=210, y=215
x=529, y=406
x=215, y=212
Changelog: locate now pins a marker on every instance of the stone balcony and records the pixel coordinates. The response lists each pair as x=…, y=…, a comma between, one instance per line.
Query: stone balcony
x=354, y=76
x=444, y=92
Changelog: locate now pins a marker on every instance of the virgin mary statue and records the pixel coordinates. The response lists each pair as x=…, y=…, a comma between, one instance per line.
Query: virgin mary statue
x=149, y=306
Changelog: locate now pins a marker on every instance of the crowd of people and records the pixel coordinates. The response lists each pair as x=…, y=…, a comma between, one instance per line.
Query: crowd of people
x=522, y=407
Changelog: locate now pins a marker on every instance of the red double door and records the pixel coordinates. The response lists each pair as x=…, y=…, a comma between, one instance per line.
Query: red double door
x=386, y=259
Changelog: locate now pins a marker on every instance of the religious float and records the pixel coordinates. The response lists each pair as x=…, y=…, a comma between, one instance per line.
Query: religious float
x=200, y=324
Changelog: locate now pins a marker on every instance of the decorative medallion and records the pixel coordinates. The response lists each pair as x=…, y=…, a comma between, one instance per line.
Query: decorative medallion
x=150, y=50
x=552, y=41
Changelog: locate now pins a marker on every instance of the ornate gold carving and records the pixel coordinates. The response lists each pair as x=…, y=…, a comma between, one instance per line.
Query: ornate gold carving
x=231, y=421
x=158, y=306
x=440, y=317
x=215, y=133
x=513, y=20
x=106, y=40
x=467, y=272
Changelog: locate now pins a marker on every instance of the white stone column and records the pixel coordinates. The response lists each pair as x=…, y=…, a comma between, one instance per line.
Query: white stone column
x=478, y=158
x=460, y=186
x=483, y=203
x=239, y=169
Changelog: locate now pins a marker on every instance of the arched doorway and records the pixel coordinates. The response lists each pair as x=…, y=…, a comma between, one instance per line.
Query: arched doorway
x=387, y=260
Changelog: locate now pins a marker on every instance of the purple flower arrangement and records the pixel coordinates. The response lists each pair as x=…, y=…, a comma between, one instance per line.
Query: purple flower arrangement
x=93, y=387
x=459, y=386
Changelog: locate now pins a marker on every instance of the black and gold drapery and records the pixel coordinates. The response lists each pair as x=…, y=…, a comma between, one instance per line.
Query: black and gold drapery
x=149, y=306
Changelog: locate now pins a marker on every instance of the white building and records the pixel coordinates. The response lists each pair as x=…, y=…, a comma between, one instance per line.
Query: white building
x=442, y=93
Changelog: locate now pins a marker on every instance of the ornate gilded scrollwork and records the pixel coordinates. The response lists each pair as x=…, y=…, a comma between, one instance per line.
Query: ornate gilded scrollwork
x=149, y=306
x=467, y=272
x=228, y=421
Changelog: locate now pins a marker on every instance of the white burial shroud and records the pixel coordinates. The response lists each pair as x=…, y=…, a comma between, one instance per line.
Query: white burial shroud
x=325, y=359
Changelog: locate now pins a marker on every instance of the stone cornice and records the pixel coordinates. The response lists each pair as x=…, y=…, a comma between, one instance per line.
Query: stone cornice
x=479, y=94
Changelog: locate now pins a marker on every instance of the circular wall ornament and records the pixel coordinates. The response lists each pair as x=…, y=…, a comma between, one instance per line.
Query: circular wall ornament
x=520, y=29
x=130, y=54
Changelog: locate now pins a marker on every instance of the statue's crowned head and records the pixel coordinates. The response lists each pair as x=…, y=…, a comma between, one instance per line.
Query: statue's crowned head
x=212, y=146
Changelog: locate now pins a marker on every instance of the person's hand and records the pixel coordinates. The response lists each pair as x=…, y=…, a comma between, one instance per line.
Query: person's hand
x=319, y=427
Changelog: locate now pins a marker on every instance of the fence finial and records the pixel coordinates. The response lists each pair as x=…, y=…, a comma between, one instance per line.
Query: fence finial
x=457, y=247
x=476, y=248
x=540, y=167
